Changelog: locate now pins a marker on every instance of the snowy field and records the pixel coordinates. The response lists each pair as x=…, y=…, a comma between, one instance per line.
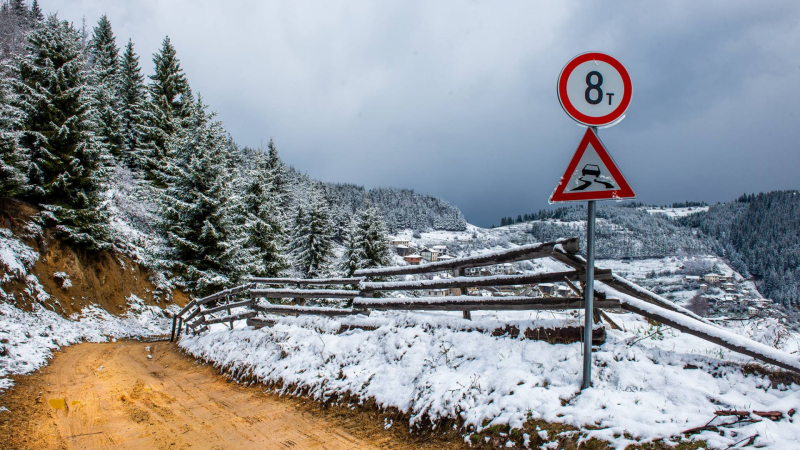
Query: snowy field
x=674, y=213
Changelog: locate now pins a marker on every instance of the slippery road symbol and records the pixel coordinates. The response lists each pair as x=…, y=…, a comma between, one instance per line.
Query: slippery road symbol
x=591, y=170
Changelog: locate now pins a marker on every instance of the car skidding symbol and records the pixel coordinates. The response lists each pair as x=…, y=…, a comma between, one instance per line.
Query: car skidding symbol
x=591, y=170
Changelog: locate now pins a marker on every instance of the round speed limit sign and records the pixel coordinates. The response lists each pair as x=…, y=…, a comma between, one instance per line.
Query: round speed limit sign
x=594, y=89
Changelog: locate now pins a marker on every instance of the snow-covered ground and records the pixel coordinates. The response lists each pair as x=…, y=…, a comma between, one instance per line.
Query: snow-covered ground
x=677, y=212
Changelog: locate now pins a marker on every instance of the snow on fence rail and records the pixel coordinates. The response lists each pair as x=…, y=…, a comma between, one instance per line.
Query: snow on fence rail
x=628, y=296
x=474, y=303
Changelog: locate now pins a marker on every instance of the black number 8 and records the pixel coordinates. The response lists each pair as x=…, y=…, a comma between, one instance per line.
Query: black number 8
x=594, y=87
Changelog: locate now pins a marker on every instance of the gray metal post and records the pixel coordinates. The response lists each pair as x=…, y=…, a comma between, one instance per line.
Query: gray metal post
x=588, y=295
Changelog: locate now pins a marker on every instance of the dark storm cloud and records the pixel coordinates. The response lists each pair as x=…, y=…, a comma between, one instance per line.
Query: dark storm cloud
x=458, y=99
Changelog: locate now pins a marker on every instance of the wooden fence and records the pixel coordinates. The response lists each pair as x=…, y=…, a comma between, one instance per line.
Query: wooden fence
x=363, y=289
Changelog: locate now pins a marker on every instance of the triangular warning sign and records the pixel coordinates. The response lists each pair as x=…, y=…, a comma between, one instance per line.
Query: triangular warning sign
x=591, y=175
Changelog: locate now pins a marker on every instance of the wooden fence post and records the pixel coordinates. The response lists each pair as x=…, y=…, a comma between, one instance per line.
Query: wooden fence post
x=172, y=334
x=228, y=302
x=457, y=291
x=179, y=328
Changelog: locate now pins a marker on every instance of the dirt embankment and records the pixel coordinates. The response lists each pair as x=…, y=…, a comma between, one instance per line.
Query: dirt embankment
x=104, y=278
x=134, y=395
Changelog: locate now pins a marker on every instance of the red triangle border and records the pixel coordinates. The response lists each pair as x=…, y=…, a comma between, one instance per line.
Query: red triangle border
x=624, y=191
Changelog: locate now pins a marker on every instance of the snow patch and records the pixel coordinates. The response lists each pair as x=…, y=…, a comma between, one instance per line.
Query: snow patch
x=16, y=258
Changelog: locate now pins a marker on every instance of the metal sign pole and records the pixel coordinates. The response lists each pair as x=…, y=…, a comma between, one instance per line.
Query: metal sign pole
x=588, y=295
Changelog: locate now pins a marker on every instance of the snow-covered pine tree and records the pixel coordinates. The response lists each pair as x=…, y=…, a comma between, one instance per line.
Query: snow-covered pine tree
x=52, y=95
x=15, y=24
x=312, y=243
x=104, y=59
x=36, y=12
x=367, y=244
x=280, y=181
x=201, y=211
x=353, y=257
x=13, y=158
x=264, y=225
x=165, y=106
x=132, y=93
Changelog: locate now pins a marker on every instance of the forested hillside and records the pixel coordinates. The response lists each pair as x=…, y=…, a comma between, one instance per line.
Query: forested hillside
x=114, y=160
x=621, y=231
x=760, y=235
x=401, y=208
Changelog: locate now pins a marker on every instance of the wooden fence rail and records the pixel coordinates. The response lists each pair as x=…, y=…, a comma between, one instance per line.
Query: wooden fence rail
x=474, y=303
x=631, y=297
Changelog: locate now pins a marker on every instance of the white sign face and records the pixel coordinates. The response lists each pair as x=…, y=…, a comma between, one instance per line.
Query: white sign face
x=594, y=89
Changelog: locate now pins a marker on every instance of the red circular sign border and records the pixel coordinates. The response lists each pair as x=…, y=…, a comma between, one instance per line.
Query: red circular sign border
x=577, y=115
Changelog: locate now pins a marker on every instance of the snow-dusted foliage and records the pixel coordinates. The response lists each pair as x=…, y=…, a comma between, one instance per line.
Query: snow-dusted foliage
x=367, y=244
x=621, y=231
x=400, y=208
x=16, y=21
x=264, y=223
x=51, y=93
x=132, y=104
x=312, y=238
x=202, y=213
x=14, y=159
x=760, y=236
x=105, y=77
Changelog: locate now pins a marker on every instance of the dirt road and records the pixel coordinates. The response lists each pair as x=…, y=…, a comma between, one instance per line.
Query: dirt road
x=133, y=395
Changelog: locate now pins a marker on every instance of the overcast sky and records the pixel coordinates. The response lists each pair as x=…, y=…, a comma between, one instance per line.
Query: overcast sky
x=458, y=99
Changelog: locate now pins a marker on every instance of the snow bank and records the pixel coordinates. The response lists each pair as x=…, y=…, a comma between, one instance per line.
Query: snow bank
x=645, y=388
x=27, y=340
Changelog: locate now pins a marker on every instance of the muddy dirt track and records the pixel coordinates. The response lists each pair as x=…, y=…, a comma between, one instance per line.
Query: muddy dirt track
x=113, y=395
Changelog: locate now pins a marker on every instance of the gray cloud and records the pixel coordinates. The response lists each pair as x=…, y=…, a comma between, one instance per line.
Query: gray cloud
x=458, y=99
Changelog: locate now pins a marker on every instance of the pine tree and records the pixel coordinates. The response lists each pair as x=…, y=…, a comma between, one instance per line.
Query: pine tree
x=165, y=109
x=367, y=244
x=13, y=158
x=280, y=180
x=354, y=257
x=312, y=243
x=104, y=58
x=132, y=103
x=15, y=23
x=36, y=12
x=264, y=226
x=52, y=95
x=201, y=211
